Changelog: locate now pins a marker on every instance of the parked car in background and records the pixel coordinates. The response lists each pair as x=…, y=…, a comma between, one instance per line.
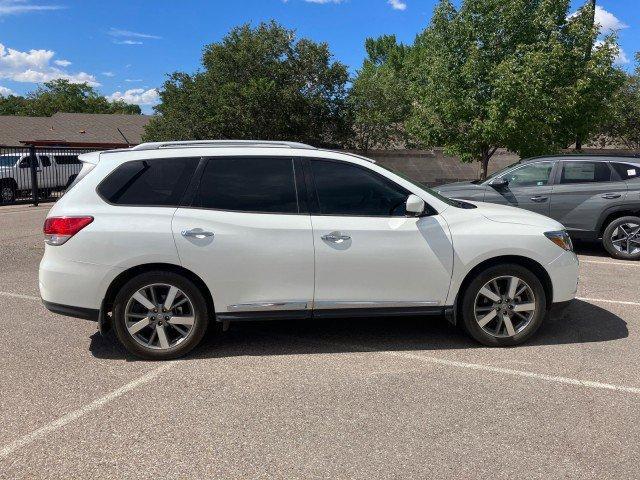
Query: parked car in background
x=55, y=171
x=163, y=238
x=594, y=197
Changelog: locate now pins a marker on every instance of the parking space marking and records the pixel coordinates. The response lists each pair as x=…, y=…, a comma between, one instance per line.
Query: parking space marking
x=76, y=414
x=603, y=300
x=19, y=295
x=602, y=262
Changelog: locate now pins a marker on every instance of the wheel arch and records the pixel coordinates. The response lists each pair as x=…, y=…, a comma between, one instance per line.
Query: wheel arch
x=528, y=263
x=613, y=213
x=11, y=181
x=124, y=277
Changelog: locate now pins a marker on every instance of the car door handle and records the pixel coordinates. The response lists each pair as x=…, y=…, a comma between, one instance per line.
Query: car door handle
x=335, y=237
x=196, y=233
x=539, y=199
x=609, y=196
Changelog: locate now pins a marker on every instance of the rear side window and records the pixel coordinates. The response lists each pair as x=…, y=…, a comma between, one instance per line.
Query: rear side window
x=158, y=182
x=66, y=159
x=261, y=185
x=44, y=160
x=585, y=172
x=627, y=171
x=345, y=189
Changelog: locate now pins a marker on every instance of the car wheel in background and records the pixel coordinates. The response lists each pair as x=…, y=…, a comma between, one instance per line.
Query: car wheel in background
x=160, y=315
x=503, y=306
x=621, y=238
x=7, y=193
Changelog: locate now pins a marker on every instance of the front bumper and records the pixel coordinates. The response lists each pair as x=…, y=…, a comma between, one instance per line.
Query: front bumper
x=70, y=311
x=563, y=272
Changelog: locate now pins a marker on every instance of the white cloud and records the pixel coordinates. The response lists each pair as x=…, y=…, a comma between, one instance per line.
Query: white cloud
x=62, y=63
x=130, y=38
x=608, y=21
x=35, y=66
x=138, y=96
x=132, y=80
x=397, y=4
x=4, y=91
x=108, y=74
x=16, y=7
x=620, y=59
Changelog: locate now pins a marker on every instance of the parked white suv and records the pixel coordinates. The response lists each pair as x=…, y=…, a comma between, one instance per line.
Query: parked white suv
x=162, y=239
x=54, y=171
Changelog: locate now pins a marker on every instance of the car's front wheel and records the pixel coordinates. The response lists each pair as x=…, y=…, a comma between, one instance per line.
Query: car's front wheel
x=621, y=238
x=160, y=315
x=503, y=305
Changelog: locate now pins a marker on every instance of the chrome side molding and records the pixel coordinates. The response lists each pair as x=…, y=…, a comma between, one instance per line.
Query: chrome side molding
x=324, y=305
x=267, y=306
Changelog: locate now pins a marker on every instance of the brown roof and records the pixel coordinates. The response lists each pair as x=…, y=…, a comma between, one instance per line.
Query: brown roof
x=73, y=129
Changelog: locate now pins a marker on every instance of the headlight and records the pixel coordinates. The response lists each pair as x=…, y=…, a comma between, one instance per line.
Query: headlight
x=560, y=238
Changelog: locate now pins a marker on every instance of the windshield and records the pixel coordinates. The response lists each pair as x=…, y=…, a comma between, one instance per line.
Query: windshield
x=498, y=173
x=8, y=160
x=422, y=186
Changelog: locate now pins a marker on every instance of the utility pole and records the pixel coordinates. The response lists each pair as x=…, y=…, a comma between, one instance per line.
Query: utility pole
x=587, y=57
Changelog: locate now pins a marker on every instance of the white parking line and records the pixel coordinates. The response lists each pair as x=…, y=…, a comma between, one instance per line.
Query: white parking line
x=603, y=300
x=604, y=262
x=76, y=414
x=19, y=295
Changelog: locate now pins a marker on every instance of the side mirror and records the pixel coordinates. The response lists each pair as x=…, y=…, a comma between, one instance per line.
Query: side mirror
x=415, y=206
x=498, y=182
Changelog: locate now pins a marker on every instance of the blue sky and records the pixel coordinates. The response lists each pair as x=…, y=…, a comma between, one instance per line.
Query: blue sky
x=125, y=47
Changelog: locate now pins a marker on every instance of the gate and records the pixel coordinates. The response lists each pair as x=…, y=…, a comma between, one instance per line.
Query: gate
x=35, y=174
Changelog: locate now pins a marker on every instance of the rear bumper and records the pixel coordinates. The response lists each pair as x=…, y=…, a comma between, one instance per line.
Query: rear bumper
x=71, y=311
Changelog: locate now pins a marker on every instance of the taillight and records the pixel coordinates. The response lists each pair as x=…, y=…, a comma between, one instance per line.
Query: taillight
x=57, y=230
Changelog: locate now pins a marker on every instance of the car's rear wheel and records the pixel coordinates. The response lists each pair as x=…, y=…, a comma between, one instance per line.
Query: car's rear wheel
x=504, y=305
x=160, y=315
x=621, y=238
x=7, y=193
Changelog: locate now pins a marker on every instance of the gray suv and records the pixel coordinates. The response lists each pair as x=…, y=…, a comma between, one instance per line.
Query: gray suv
x=595, y=197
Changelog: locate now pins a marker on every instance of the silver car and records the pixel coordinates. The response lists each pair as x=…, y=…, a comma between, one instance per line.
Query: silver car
x=595, y=197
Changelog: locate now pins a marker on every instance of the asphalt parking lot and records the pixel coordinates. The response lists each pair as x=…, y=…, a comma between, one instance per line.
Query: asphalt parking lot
x=400, y=398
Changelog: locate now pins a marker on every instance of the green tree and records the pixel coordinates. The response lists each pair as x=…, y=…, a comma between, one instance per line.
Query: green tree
x=622, y=125
x=257, y=83
x=378, y=100
x=63, y=96
x=509, y=73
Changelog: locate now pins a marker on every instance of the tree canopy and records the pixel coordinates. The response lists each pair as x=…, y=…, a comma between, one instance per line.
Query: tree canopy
x=63, y=96
x=519, y=74
x=257, y=83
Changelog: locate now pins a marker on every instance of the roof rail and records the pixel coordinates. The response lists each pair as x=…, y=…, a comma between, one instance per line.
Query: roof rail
x=221, y=143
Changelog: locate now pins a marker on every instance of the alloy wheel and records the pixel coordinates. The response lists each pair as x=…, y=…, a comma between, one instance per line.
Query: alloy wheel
x=626, y=238
x=7, y=194
x=504, y=306
x=159, y=316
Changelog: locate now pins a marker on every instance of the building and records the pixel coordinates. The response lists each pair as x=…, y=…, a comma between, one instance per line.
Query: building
x=88, y=130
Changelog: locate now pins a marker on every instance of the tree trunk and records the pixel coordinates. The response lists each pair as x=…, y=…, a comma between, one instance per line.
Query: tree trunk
x=487, y=153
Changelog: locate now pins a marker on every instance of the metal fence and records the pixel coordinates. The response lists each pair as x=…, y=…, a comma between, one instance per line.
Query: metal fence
x=35, y=174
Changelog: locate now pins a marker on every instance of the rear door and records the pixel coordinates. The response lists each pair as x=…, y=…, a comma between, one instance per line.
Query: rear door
x=583, y=190
x=529, y=187
x=247, y=233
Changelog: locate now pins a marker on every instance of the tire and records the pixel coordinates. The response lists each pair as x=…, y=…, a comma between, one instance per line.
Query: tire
x=621, y=238
x=45, y=193
x=524, y=313
x=153, y=337
x=7, y=193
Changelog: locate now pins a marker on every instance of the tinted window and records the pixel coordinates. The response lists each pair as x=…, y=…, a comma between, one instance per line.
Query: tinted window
x=159, y=182
x=531, y=175
x=44, y=161
x=248, y=185
x=8, y=160
x=585, y=172
x=627, y=171
x=345, y=189
x=66, y=159
x=25, y=162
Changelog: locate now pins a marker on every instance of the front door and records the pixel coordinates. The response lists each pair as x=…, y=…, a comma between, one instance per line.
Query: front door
x=528, y=187
x=583, y=191
x=368, y=253
x=247, y=235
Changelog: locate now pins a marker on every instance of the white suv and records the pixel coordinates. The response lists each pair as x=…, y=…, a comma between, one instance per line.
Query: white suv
x=165, y=238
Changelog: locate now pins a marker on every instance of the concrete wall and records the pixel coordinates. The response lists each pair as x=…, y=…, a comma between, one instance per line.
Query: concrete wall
x=433, y=167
